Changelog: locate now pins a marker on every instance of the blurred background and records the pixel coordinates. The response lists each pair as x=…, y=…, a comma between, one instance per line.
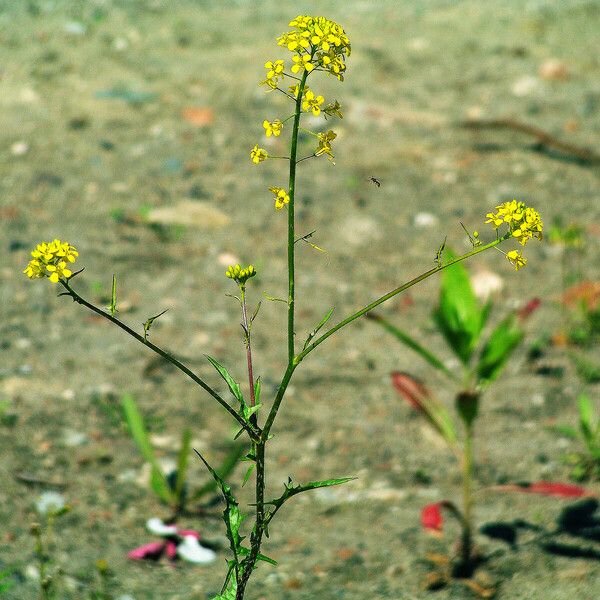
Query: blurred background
x=126, y=127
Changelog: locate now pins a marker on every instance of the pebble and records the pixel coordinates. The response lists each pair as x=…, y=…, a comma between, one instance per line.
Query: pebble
x=525, y=86
x=72, y=438
x=22, y=343
x=162, y=441
x=226, y=258
x=554, y=70
x=486, y=284
x=359, y=231
x=19, y=148
x=425, y=219
x=75, y=28
x=194, y=214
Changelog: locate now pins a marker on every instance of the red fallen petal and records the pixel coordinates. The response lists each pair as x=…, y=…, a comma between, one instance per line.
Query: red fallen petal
x=191, y=532
x=151, y=551
x=171, y=549
x=549, y=488
x=529, y=308
x=431, y=516
x=411, y=389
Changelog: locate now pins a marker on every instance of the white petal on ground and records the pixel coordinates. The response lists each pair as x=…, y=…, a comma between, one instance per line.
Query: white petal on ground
x=158, y=527
x=190, y=549
x=49, y=501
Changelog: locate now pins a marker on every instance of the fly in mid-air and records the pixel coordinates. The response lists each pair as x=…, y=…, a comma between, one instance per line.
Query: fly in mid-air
x=375, y=181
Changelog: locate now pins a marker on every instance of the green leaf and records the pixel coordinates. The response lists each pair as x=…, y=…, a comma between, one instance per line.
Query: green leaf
x=148, y=323
x=498, y=349
x=135, y=422
x=231, y=383
x=232, y=516
x=566, y=431
x=586, y=417
x=411, y=343
x=182, y=464
x=292, y=490
x=257, y=391
x=318, y=327
x=458, y=316
x=224, y=470
x=247, y=475
x=267, y=559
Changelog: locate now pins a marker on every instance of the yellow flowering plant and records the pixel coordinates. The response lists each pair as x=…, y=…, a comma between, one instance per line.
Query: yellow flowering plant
x=318, y=45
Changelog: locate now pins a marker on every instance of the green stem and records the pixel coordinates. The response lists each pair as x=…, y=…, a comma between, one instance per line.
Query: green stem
x=466, y=551
x=291, y=224
x=256, y=536
x=252, y=432
x=246, y=326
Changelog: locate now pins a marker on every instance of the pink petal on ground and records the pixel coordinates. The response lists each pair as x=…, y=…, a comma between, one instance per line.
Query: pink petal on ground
x=431, y=516
x=548, y=488
x=171, y=549
x=151, y=551
x=411, y=389
x=190, y=532
x=528, y=309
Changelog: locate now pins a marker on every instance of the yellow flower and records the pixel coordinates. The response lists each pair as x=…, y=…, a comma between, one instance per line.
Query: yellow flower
x=273, y=128
x=312, y=102
x=34, y=269
x=50, y=260
x=58, y=271
x=517, y=259
x=274, y=73
x=258, y=154
x=302, y=61
x=325, y=140
x=281, y=197
x=239, y=275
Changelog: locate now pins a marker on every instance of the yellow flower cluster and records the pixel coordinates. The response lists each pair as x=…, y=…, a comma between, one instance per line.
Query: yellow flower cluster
x=239, y=275
x=318, y=43
x=50, y=259
x=258, y=155
x=524, y=222
x=281, y=197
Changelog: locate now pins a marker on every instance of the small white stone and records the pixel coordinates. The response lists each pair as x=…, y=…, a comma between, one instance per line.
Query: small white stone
x=425, y=219
x=72, y=438
x=525, y=86
x=486, y=284
x=19, y=148
x=538, y=400
x=227, y=258
x=22, y=343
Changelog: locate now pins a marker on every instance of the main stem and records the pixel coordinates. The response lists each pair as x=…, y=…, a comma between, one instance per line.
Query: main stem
x=260, y=522
x=291, y=223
